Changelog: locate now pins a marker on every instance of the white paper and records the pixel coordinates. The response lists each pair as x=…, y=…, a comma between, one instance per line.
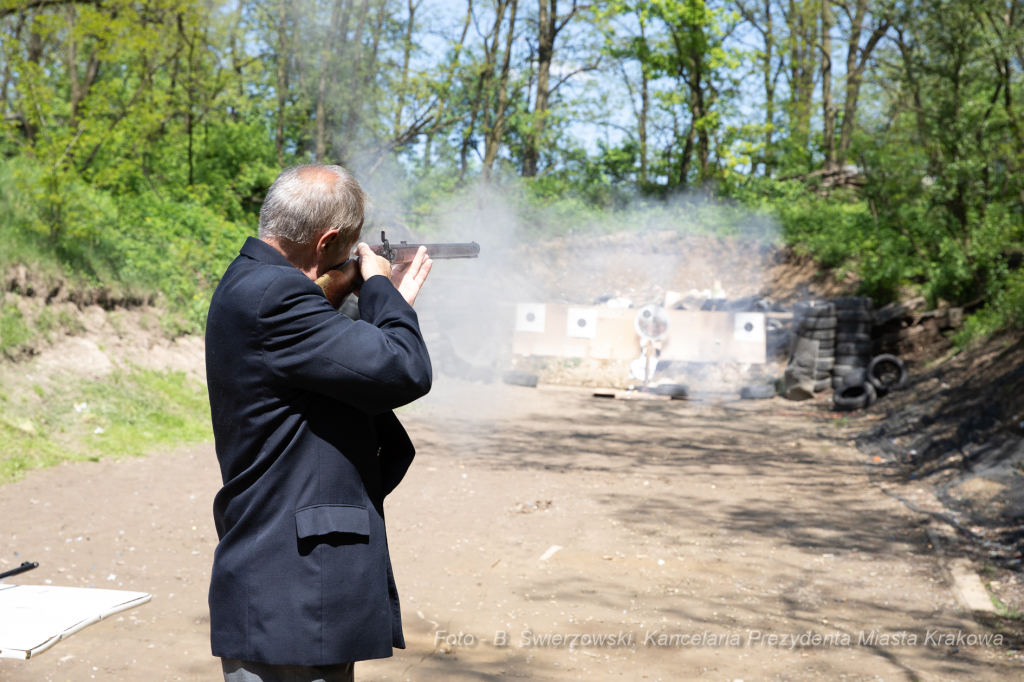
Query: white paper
x=530, y=317
x=581, y=323
x=34, y=617
x=749, y=327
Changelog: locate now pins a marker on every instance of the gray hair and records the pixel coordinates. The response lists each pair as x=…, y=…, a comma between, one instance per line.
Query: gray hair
x=306, y=201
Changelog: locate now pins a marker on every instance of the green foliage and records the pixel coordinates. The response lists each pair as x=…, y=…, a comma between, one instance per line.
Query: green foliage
x=128, y=413
x=139, y=139
x=1005, y=311
x=133, y=245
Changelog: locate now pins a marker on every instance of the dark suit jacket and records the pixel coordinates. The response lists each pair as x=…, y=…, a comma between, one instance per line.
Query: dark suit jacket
x=301, y=399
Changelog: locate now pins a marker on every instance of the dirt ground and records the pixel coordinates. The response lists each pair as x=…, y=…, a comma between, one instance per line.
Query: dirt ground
x=712, y=523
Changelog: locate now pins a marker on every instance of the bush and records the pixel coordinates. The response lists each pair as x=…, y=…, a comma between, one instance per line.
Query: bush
x=132, y=247
x=1004, y=311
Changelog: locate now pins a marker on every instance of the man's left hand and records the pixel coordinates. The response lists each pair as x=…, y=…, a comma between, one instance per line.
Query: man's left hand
x=409, y=277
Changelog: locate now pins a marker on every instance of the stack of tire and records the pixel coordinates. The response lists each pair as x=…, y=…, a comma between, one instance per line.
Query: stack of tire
x=862, y=387
x=856, y=316
x=817, y=320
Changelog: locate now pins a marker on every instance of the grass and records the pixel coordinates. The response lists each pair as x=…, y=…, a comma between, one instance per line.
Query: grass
x=126, y=414
x=1006, y=611
x=13, y=329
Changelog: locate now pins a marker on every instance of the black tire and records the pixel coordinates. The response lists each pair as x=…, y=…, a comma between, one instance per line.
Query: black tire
x=826, y=352
x=854, y=397
x=822, y=374
x=854, y=327
x=827, y=344
x=856, y=316
x=850, y=337
x=814, y=309
x=856, y=377
x=847, y=348
x=815, y=323
x=757, y=392
x=837, y=382
x=842, y=370
x=853, y=360
x=819, y=334
x=674, y=390
x=887, y=372
x=826, y=364
x=822, y=385
x=514, y=377
x=853, y=302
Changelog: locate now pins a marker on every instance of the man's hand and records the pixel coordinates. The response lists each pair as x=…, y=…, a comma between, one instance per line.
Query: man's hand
x=409, y=277
x=371, y=264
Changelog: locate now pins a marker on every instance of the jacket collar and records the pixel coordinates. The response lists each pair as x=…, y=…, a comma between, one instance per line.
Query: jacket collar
x=263, y=252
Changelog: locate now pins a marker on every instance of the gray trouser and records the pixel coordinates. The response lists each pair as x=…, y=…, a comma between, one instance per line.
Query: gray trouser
x=247, y=671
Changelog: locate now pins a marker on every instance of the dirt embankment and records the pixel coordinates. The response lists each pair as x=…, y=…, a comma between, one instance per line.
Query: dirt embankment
x=643, y=266
x=86, y=343
x=955, y=435
x=53, y=288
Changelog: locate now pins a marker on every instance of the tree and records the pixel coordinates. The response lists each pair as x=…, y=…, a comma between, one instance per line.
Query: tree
x=693, y=52
x=549, y=26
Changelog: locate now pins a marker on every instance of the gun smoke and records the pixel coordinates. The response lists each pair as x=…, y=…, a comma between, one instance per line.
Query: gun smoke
x=687, y=252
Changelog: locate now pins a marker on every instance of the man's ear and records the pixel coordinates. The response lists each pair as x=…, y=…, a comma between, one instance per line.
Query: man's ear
x=326, y=239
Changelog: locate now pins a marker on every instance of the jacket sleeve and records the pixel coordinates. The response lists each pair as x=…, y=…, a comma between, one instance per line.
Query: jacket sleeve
x=373, y=365
x=396, y=451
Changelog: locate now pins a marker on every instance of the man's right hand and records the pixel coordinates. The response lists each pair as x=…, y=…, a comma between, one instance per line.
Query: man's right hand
x=371, y=264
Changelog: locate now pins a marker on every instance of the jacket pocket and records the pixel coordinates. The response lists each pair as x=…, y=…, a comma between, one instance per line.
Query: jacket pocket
x=321, y=519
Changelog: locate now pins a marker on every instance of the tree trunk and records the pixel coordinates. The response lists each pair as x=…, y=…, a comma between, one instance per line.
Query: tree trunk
x=406, y=54
x=483, y=82
x=546, y=24
x=828, y=111
x=802, y=22
x=687, y=156
x=769, y=79
x=764, y=24
x=321, y=91
x=352, y=119
x=852, y=80
x=494, y=135
x=282, y=75
x=76, y=92
x=7, y=67
x=698, y=110
x=35, y=44
x=451, y=72
x=855, y=73
x=645, y=108
x=188, y=131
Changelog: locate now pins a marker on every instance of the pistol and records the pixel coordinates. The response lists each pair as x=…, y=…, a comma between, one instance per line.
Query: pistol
x=337, y=283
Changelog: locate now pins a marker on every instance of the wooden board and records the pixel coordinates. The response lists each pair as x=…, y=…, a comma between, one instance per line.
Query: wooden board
x=707, y=336
x=614, y=339
x=694, y=336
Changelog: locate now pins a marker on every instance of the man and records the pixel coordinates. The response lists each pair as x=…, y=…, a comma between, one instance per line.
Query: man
x=301, y=399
